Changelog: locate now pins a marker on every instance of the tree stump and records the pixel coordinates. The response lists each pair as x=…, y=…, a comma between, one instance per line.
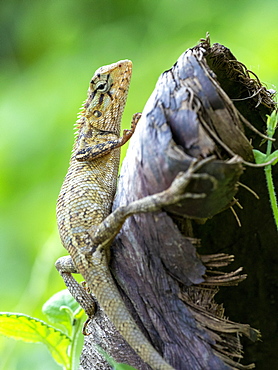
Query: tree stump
x=169, y=265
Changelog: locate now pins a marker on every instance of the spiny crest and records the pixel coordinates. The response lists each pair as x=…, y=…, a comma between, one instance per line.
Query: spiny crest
x=80, y=117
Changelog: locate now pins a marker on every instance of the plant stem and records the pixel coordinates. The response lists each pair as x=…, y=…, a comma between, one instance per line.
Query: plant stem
x=271, y=191
x=272, y=122
x=74, y=337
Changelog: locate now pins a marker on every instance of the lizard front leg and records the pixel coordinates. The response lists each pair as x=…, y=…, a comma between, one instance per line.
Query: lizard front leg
x=105, y=232
x=104, y=142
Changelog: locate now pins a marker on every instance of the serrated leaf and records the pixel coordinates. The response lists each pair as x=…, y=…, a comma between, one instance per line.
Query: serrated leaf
x=30, y=329
x=61, y=308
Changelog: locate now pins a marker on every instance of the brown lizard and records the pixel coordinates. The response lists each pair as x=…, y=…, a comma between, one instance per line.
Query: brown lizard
x=85, y=202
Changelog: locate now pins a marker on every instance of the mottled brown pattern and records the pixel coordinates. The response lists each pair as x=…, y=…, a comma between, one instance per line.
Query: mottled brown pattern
x=86, y=197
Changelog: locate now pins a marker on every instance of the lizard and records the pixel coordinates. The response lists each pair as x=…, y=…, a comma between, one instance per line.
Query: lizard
x=85, y=201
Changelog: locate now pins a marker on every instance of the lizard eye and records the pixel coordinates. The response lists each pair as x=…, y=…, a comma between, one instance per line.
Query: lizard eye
x=102, y=87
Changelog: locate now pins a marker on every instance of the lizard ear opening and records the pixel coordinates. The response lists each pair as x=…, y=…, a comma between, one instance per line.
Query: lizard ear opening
x=97, y=113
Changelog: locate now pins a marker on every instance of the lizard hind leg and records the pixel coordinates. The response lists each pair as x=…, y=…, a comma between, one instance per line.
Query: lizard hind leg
x=66, y=267
x=65, y=264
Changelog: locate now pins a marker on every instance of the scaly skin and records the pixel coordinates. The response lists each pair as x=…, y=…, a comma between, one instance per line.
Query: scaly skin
x=86, y=197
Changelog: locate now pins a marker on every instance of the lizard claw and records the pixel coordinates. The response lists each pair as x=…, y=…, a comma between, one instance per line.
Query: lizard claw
x=128, y=133
x=84, y=329
x=135, y=119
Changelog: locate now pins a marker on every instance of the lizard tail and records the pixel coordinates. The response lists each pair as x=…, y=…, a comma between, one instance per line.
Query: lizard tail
x=108, y=297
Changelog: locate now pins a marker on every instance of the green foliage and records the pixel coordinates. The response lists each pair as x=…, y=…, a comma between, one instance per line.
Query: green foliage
x=60, y=309
x=30, y=329
x=270, y=158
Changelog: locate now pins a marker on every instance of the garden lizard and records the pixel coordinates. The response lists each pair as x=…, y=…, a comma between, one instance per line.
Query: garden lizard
x=85, y=201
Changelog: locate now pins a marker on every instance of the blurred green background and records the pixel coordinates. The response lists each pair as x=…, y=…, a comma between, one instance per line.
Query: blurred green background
x=48, y=52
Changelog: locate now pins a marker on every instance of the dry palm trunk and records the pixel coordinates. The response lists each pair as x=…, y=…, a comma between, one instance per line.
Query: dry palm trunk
x=167, y=285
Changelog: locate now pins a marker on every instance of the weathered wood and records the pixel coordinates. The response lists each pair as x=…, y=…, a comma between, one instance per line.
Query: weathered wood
x=255, y=243
x=163, y=280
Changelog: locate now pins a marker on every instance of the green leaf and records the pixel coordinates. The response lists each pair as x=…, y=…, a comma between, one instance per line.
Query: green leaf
x=61, y=309
x=273, y=156
x=29, y=329
x=272, y=123
x=259, y=156
x=262, y=158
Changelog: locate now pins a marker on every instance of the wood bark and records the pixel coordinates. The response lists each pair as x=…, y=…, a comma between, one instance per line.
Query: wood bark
x=166, y=264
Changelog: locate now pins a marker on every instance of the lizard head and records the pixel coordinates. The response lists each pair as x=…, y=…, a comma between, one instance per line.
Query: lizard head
x=107, y=95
